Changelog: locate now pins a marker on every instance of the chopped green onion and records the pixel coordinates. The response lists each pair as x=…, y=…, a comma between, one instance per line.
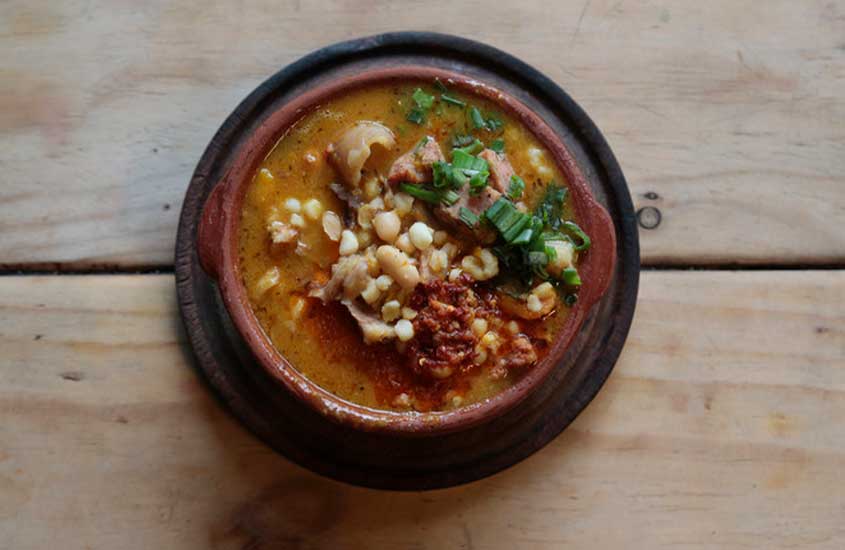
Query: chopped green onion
x=494, y=124
x=472, y=148
x=424, y=102
x=476, y=119
x=497, y=145
x=462, y=140
x=551, y=207
x=496, y=208
x=416, y=115
x=452, y=100
x=514, y=230
x=570, y=277
x=468, y=217
x=537, y=258
x=447, y=176
x=478, y=182
x=504, y=216
x=465, y=161
x=422, y=99
x=570, y=300
x=440, y=86
x=524, y=237
x=516, y=187
x=450, y=197
x=555, y=236
x=421, y=193
x=573, y=228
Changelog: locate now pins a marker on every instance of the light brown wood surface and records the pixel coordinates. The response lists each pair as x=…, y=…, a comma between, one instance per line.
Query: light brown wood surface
x=721, y=427
x=731, y=112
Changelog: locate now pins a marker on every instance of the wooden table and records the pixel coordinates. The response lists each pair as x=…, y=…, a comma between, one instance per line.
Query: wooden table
x=723, y=425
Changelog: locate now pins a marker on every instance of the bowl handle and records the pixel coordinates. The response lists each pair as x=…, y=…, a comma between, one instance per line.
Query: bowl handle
x=210, y=230
x=601, y=258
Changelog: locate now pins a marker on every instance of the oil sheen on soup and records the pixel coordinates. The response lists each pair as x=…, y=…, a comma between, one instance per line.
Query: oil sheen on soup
x=410, y=247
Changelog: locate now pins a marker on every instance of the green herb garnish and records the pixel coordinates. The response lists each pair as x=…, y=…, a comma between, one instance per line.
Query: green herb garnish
x=440, y=86
x=494, y=124
x=475, y=118
x=423, y=101
x=416, y=115
x=473, y=148
x=420, y=192
x=572, y=228
x=452, y=100
x=468, y=217
x=570, y=300
x=551, y=207
x=523, y=250
x=570, y=277
x=450, y=197
x=497, y=145
x=461, y=140
x=516, y=187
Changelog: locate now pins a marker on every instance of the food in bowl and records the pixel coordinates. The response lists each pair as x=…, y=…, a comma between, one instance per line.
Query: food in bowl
x=410, y=246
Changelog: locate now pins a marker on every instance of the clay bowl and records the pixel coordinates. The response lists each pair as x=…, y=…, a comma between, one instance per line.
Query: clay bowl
x=218, y=251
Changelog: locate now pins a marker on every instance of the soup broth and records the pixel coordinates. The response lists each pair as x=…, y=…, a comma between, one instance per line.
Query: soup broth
x=419, y=317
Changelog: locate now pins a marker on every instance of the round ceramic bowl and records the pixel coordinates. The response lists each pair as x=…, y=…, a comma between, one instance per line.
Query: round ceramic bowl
x=217, y=240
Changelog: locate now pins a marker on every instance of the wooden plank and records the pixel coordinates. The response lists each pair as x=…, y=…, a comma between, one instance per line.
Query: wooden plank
x=729, y=113
x=721, y=427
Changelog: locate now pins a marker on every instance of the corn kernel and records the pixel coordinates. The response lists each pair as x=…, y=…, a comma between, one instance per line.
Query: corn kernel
x=371, y=294
x=490, y=340
x=293, y=205
x=391, y=310
x=408, y=313
x=403, y=203
x=404, y=330
x=403, y=243
x=383, y=282
x=332, y=225
x=421, y=235
x=479, y=326
x=297, y=221
x=348, y=243
x=438, y=261
x=313, y=209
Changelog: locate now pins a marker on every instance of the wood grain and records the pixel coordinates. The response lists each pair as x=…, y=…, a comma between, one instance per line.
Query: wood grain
x=721, y=427
x=726, y=116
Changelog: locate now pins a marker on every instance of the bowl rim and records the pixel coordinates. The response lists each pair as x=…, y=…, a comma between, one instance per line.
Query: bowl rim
x=218, y=251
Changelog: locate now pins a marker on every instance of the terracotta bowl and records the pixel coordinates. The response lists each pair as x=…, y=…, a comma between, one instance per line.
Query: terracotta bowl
x=217, y=240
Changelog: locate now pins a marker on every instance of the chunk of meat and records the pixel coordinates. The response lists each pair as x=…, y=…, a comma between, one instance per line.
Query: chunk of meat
x=520, y=353
x=501, y=170
x=373, y=328
x=517, y=353
x=477, y=204
x=415, y=165
x=352, y=148
x=349, y=274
